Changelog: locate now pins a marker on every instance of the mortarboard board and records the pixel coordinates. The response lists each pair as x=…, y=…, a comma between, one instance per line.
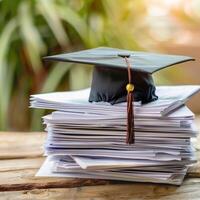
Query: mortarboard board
x=111, y=82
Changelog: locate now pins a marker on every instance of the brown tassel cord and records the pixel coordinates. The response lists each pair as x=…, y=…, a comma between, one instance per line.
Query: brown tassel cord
x=130, y=136
x=130, y=105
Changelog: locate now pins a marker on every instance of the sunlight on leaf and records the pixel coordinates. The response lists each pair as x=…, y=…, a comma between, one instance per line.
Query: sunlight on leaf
x=47, y=9
x=76, y=22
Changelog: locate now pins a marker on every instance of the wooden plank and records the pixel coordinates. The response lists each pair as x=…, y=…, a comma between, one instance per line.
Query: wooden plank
x=19, y=174
x=188, y=191
x=21, y=144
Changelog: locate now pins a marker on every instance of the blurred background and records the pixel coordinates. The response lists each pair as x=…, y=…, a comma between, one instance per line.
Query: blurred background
x=31, y=29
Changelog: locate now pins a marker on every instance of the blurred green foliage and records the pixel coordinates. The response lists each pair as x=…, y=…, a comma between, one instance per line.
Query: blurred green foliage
x=31, y=29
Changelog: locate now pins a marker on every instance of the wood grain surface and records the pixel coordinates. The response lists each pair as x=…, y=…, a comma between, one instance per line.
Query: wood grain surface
x=134, y=191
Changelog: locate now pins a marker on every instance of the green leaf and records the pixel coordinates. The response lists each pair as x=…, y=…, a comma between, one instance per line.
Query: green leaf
x=78, y=23
x=33, y=44
x=47, y=9
x=5, y=74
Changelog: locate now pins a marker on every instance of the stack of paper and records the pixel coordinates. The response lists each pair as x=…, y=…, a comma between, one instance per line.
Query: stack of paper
x=87, y=140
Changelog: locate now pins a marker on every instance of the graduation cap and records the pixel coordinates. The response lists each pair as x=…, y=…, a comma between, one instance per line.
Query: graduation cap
x=122, y=75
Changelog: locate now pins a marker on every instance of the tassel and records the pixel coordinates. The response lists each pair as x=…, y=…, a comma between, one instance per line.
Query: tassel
x=130, y=136
x=130, y=105
x=130, y=115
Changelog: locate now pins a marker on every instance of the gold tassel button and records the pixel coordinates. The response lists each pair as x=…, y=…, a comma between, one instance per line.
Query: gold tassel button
x=129, y=87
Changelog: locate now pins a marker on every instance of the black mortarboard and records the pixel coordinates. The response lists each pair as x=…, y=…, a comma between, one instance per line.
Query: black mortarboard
x=110, y=72
x=110, y=75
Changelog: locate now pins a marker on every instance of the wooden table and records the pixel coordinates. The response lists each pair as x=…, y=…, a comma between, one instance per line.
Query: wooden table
x=21, y=156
